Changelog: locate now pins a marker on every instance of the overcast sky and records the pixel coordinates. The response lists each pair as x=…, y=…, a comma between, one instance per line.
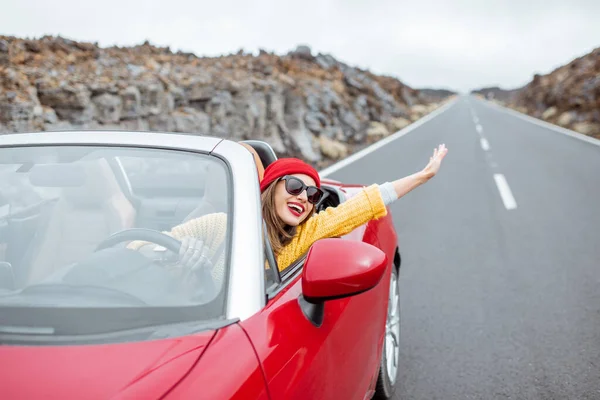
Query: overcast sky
x=457, y=44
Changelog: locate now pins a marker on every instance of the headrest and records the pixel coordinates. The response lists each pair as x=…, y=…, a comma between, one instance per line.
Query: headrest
x=264, y=150
x=260, y=169
x=100, y=185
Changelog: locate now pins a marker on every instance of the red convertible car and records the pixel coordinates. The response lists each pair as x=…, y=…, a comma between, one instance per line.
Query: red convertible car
x=85, y=316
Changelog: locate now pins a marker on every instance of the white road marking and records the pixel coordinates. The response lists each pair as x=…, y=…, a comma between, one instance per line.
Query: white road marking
x=475, y=119
x=505, y=192
x=479, y=128
x=484, y=144
x=358, y=155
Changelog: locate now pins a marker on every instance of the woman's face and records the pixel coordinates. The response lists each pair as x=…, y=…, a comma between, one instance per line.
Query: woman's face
x=290, y=208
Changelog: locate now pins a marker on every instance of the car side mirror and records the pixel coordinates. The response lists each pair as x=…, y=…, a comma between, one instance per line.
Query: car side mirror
x=337, y=268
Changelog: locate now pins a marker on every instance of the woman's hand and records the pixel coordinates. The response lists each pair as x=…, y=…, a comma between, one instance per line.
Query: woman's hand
x=408, y=183
x=193, y=254
x=435, y=161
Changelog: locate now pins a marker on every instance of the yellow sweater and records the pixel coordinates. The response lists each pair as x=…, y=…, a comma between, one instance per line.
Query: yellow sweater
x=332, y=222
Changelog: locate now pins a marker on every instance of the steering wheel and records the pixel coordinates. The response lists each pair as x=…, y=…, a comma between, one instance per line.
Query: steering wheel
x=148, y=235
x=201, y=293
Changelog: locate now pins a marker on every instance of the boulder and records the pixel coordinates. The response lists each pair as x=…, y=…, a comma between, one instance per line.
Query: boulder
x=397, y=124
x=565, y=118
x=189, y=120
x=332, y=148
x=587, y=128
x=417, y=111
x=131, y=103
x=108, y=108
x=549, y=113
x=66, y=97
x=377, y=130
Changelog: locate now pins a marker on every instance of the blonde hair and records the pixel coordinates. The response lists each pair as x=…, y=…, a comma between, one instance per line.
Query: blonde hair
x=278, y=232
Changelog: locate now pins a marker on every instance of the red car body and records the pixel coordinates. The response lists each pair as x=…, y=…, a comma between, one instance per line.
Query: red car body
x=276, y=354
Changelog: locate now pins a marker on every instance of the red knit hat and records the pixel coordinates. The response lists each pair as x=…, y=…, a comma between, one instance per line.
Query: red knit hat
x=287, y=166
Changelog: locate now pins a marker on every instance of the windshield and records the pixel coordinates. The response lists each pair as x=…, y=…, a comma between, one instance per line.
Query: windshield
x=61, y=275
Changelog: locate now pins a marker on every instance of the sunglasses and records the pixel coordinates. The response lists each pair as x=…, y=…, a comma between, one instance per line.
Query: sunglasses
x=295, y=186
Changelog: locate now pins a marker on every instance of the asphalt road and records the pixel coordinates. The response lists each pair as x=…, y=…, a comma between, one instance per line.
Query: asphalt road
x=496, y=303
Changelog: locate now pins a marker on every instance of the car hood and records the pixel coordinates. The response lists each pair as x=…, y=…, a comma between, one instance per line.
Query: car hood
x=110, y=371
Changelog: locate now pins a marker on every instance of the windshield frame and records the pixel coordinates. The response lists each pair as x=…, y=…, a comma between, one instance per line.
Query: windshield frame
x=245, y=284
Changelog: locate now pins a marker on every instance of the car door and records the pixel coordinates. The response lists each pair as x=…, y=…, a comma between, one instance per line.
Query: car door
x=338, y=359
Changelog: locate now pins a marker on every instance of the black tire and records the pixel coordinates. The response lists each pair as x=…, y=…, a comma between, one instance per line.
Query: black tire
x=386, y=386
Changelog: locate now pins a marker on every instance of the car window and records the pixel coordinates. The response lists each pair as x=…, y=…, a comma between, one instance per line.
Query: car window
x=272, y=275
x=61, y=209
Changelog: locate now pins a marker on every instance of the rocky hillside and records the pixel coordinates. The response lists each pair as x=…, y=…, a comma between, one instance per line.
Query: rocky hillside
x=496, y=93
x=569, y=96
x=305, y=105
x=436, y=95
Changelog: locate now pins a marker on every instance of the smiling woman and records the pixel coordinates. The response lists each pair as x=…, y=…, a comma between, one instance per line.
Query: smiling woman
x=287, y=200
x=290, y=188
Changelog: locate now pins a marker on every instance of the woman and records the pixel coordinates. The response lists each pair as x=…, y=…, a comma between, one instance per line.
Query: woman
x=290, y=189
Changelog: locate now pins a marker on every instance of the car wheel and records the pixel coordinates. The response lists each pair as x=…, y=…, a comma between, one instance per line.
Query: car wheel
x=388, y=370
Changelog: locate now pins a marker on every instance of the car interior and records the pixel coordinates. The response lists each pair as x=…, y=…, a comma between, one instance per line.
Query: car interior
x=60, y=230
